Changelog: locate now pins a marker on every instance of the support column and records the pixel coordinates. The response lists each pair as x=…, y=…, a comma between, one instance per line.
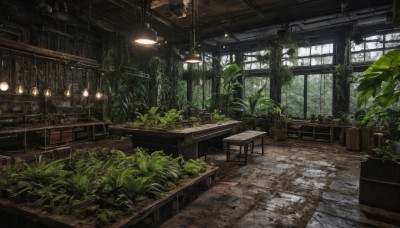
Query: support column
x=341, y=87
x=274, y=73
x=216, y=80
x=238, y=94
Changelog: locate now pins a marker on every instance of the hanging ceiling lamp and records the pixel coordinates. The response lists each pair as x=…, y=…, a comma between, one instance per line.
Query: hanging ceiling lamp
x=146, y=35
x=35, y=89
x=193, y=56
x=19, y=89
x=3, y=84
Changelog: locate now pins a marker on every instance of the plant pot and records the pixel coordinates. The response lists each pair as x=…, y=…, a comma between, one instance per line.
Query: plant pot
x=280, y=135
x=380, y=184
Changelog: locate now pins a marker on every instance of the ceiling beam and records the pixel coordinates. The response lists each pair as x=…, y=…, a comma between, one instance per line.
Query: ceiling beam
x=254, y=6
x=156, y=16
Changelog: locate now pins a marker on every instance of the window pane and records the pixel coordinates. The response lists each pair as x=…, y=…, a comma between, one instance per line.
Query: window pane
x=392, y=45
x=355, y=47
x=304, y=51
x=304, y=62
x=247, y=66
x=327, y=49
x=358, y=57
x=374, y=38
x=293, y=97
x=316, y=50
x=373, y=55
x=392, y=36
x=316, y=61
x=373, y=45
x=319, y=94
x=327, y=60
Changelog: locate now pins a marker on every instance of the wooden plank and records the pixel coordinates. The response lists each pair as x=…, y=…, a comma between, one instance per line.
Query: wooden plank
x=47, y=52
x=38, y=216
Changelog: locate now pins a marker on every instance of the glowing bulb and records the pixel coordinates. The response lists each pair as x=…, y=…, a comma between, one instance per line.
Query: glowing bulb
x=35, y=91
x=67, y=93
x=99, y=95
x=47, y=93
x=19, y=89
x=85, y=92
x=4, y=86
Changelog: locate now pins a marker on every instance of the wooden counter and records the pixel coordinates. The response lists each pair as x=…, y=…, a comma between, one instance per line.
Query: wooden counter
x=186, y=141
x=89, y=127
x=317, y=129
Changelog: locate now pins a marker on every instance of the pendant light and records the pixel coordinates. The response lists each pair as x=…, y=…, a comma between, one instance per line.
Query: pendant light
x=35, y=89
x=99, y=94
x=146, y=35
x=67, y=92
x=85, y=92
x=19, y=89
x=193, y=56
x=47, y=92
x=3, y=84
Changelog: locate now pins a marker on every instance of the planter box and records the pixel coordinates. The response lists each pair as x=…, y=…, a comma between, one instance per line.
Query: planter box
x=380, y=184
x=353, y=139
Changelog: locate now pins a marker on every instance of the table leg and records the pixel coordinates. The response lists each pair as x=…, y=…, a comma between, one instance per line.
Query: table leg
x=252, y=146
x=228, y=151
x=240, y=152
x=331, y=134
x=262, y=145
x=246, y=147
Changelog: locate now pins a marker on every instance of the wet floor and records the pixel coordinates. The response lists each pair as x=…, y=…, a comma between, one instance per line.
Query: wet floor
x=295, y=184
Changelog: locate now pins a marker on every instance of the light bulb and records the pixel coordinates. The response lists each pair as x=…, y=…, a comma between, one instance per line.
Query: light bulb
x=4, y=86
x=47, y=92
x=85, y=92
x=35, y=91
x=19, y=89
x=99, y=95
x=67, y=93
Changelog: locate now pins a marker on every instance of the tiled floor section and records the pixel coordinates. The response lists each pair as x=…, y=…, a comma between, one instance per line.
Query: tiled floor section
x=295, y=184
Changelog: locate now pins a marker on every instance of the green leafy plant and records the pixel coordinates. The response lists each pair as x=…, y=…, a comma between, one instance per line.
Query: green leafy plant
x=252, y=106
x=96, y=185
x=381, y=83
x=230, y=83
x=216, y=116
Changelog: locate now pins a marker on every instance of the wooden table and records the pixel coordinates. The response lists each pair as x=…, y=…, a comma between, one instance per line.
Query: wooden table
x=243, y=140
x=185, y=142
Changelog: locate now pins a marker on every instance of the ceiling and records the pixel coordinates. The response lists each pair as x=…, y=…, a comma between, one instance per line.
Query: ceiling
x=243, y=20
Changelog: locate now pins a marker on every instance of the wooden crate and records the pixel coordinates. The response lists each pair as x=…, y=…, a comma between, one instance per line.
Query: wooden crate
x=366, y=139
x=66, y=135
x=54, y=136
x=353, y=139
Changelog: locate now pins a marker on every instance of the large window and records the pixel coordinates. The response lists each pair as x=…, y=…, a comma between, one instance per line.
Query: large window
x=373, y=47
x=253, y=84
x=252, y=62
x=226, y=60
x=319, y=94
x=310, y=56
x=293, y=97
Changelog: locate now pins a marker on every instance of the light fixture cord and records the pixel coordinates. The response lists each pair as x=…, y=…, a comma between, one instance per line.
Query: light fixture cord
x=193, y=27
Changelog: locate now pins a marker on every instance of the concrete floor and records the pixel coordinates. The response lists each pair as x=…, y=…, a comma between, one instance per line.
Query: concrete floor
x=295, y=184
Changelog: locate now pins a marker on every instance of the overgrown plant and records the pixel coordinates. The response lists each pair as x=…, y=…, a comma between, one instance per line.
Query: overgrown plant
x=381, y=83
x=230, y=83
x=96, y=185
x=172, y=119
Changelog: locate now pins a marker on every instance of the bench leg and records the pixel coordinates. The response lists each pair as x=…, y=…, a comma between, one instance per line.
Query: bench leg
x=262, y=145
x=228, y=152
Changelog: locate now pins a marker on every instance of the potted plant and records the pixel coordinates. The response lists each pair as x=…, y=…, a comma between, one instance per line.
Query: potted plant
x=380, y=172
x=380, y=177
x=280, y=124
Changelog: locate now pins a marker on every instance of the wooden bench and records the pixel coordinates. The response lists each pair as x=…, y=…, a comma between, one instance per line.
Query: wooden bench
x=243, y=140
